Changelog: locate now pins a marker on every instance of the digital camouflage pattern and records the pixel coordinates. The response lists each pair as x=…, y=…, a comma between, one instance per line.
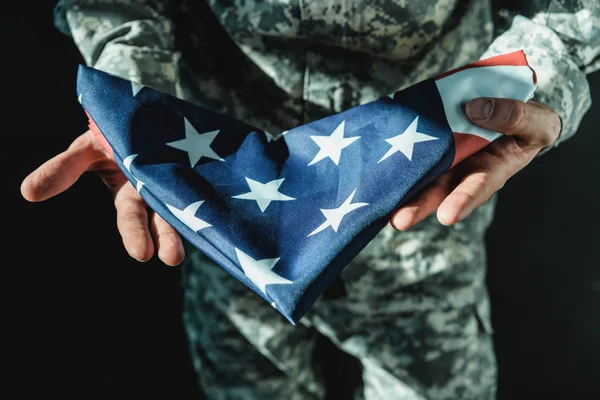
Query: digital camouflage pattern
x=412, y=306
x=416, y=338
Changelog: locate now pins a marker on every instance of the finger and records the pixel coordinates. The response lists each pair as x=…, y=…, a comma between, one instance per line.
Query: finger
x=132, y=222
x=475, y=189
x=489, y=170
x=424, y=204
x=62, y=171
x=533, y=122
x=167, y=240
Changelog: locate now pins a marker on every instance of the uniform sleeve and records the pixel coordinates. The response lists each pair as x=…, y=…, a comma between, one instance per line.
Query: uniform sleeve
x=132, y=39
x=561, y=39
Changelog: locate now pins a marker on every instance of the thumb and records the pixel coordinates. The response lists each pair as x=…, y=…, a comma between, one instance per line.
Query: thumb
x=62, y=171
x=532, y=122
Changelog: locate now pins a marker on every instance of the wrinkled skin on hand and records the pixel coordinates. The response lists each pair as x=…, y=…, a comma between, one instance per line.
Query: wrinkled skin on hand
x=527, y=128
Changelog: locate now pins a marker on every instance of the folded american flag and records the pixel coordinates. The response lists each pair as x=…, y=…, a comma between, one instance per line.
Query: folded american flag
x=286, y=215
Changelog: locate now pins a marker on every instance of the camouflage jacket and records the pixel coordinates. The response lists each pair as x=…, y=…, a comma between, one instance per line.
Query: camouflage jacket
x=312, y=58
x=280, y=63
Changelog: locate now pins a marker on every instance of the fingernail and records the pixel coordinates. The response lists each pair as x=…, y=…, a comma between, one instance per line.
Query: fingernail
x=480, y=108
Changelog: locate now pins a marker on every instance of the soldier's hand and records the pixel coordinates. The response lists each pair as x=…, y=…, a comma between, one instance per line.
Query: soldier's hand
x=527, y=128
x=142, y=230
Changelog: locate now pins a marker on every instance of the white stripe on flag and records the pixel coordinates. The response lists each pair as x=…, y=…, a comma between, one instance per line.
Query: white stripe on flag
x=507, y=81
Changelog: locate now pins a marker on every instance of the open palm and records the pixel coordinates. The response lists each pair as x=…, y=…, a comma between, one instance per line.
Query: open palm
x=143, y=231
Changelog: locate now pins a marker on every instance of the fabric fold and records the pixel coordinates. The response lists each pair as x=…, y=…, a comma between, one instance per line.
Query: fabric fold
x=286, y=215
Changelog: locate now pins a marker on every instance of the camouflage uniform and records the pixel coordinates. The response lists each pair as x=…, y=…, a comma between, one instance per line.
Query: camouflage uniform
x=412, y=306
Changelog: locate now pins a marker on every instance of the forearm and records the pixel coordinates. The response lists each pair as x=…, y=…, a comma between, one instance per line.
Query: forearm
x=132, y=39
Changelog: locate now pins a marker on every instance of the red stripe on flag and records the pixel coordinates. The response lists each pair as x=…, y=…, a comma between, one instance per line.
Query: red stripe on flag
x=99, y=136
x=465, y=145
x=516, y=58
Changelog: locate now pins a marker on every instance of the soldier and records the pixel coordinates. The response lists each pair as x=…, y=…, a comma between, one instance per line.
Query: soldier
x=412, y=307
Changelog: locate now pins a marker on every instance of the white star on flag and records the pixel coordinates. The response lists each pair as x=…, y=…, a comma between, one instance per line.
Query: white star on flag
x=331, y=146
x=80, y=98
x=334, y=216
x=264, y=193
x=127, y=164
x=188, y=216
x=136, y=87
x=405, y=142
x=260, y=271
x=195, y=144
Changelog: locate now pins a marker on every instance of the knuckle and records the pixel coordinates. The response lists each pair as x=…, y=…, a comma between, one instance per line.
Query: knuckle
x=515, y=150
x=511, y=152
x=134, y=215
x=499, y=185
x=43, y=180
x=480, y=180
x=137, y=233
x=468, y=195
x=48, y=176
x=440, y=185
x=482, y=184
x=553, y=130
x=126, y=199
x=131, y=221
x=64, y=164
x=514, y=116
x=169, y=237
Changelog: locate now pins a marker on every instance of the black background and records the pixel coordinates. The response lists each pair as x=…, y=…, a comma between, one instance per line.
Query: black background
x=84, y=320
